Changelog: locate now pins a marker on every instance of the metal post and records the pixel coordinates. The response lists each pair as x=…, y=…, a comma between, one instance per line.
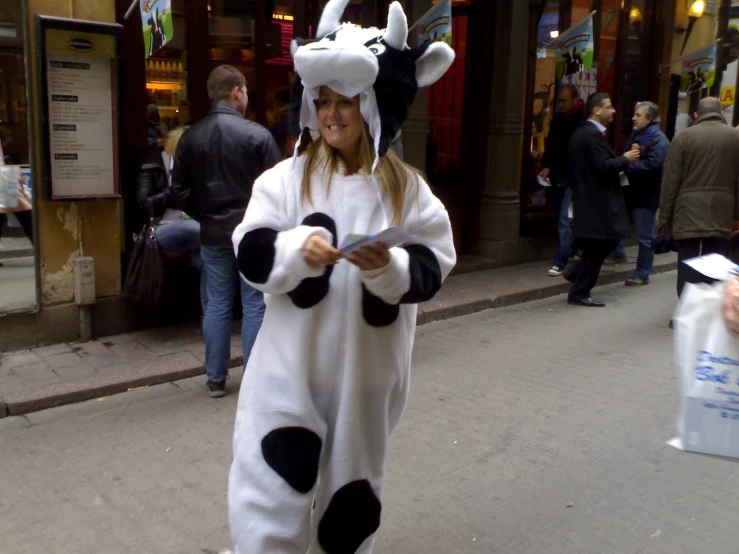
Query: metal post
x=85, y=323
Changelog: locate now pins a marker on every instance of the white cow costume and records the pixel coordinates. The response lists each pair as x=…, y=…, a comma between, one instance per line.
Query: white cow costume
x=328, y=377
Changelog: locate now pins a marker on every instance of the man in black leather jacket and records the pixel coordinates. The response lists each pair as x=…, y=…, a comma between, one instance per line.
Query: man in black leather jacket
x=216, y=164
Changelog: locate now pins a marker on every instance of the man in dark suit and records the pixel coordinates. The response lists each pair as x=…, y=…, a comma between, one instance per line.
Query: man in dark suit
x=600, y=215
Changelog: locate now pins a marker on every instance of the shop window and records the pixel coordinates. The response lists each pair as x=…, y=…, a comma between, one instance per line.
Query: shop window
x=542, y=107
x=580, y=10
x=13, y=124
x=166, y=75
x=635, y=68
x=607, y=45
x=233, y=39
x=256, y=40
x=278, y=73
x=728, y=77
x=18, y=283
x=446, y=101
x=13, y=128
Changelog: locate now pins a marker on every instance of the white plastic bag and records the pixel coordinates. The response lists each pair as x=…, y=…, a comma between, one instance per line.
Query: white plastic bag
x=9, y=176
x=707, y=359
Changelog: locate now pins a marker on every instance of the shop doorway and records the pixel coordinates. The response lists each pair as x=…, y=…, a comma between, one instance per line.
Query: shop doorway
x=444, y=157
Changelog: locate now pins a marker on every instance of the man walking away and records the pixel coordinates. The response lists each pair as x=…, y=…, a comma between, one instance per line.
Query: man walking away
x=216, y=163
x=645, y=179
x=600, y=217
x=568, y=118
x=699, y=199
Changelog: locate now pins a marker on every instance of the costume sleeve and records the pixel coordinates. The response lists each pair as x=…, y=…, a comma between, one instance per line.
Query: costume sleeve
x=671, y=182
x=269, y=247
x=416, y=270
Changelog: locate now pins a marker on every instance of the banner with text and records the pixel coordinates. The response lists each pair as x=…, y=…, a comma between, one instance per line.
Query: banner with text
x=156, y=20
x=435, y=24
x=575, y=48
x=586, y=82
x=698, y=69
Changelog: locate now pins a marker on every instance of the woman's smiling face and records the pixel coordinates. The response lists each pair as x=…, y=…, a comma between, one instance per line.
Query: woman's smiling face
x=340, y=121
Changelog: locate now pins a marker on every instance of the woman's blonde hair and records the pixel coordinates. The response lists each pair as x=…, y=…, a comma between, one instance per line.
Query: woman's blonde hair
x=391, y=170
x=173, y=137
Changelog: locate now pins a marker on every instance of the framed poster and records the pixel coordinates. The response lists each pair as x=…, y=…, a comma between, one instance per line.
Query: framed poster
x=78, y=72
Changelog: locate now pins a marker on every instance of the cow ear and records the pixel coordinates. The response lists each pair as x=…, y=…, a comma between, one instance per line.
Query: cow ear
x=434, y=62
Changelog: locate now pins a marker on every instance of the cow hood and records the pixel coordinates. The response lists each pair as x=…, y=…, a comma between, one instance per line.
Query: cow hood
x=375, y=64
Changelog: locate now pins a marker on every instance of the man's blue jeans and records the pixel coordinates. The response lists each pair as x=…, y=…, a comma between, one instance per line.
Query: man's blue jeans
x=644, y=224
x=562, y=200
x=222, y=280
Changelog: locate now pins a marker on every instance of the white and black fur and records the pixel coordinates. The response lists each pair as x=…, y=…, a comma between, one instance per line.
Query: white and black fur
x=375, y=64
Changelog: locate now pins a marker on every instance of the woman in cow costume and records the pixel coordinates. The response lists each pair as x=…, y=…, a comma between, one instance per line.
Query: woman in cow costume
x=328, y=377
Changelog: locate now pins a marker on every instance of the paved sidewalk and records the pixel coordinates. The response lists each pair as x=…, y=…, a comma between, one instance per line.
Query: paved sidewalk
x=15, y=247
x=535, y=429
x=41, y=378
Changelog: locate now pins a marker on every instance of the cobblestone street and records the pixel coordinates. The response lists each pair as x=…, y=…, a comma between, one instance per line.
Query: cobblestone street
x=535, y=429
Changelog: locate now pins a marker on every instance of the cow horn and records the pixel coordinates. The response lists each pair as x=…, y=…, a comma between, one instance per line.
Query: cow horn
x=331, y=17
x=396, y=33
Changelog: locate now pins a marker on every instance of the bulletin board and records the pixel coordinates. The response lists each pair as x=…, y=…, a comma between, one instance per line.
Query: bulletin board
x=78, y=65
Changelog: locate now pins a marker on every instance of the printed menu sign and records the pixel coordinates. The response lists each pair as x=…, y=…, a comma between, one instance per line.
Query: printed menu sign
x=81, y=113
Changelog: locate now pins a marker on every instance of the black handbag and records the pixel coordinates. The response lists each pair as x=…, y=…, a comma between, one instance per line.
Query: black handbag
x=664, y=241
x=146, y=272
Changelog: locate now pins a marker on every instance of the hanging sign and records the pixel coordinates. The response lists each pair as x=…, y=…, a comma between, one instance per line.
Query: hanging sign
x=586, y=82
x=156, y=20
x=435, y=24
x=575, y=48
x=698, y=69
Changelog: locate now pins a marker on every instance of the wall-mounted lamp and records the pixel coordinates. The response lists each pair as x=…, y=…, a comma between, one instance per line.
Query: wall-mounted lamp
x=635, y=16
x=695, y=10
x=553, y=34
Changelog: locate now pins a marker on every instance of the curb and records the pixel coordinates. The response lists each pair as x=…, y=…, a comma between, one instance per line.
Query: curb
x=560, y=286
x=16, y=403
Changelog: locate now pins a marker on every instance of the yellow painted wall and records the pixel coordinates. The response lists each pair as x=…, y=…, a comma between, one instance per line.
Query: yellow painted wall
x=703, y=34
x=66, y=229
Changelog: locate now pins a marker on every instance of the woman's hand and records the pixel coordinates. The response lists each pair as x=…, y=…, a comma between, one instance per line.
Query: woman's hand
x=318, y=252
x=367, y=258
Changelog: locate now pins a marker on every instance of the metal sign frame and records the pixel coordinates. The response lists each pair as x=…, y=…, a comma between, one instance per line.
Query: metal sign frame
x=90, y=28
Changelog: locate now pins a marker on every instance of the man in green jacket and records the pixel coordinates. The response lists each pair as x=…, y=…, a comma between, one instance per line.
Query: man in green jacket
x=700, y=189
